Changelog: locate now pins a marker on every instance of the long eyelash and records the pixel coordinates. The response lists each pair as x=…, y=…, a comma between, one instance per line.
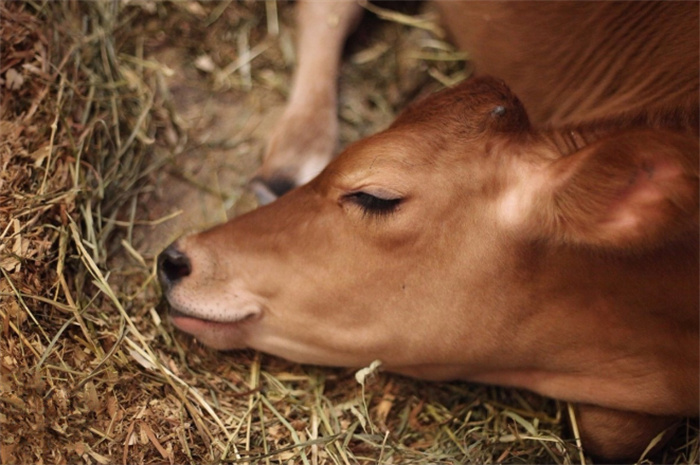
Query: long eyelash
x=372, y=205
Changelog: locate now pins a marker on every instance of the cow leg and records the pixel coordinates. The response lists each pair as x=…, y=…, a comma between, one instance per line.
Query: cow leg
x=304, y=140
x=618, y=435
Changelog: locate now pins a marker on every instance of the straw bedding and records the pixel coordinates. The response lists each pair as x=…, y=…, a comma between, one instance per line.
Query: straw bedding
x=125, y=123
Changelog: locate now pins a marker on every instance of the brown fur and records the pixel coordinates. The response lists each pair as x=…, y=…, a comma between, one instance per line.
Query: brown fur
x=572, y=63
x=555, y=251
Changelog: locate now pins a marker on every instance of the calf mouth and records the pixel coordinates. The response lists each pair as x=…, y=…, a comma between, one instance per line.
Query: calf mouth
x=196, y=325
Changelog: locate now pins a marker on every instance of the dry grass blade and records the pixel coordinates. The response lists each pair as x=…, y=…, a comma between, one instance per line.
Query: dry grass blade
x=407, y=20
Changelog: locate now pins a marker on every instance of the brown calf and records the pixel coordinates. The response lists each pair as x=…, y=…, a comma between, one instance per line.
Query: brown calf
x=466, y=242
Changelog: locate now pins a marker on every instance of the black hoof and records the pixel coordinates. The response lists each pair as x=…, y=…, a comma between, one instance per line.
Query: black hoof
x=267, y=190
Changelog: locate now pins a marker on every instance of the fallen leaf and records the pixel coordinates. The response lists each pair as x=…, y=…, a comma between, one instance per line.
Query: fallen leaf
x=362, y=374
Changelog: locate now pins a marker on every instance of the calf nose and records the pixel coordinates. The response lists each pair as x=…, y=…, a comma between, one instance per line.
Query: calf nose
x=173, y=265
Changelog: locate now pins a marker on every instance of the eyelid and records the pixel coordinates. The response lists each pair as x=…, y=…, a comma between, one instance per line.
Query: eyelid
x=371, y=204
x=379, y=192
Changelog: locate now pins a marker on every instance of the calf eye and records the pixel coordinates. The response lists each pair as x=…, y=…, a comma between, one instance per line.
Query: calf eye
x=373, y=205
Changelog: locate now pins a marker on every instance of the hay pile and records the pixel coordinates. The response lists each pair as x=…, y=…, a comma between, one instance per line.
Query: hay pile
x=96, y=126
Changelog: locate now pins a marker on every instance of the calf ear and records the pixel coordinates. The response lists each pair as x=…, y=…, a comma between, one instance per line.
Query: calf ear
x=634, y=190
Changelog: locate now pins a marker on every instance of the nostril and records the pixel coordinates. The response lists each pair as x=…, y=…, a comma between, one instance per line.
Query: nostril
x=173, y=265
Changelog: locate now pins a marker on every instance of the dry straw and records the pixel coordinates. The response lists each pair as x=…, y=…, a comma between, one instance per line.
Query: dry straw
x=90, y=373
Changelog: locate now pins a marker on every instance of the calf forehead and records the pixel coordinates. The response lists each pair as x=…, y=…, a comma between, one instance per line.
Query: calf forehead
x=400, y=159
x=380, y=161
x=442, y=129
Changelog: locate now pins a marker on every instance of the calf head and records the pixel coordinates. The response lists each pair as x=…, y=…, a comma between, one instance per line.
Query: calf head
x=392, y=248
x=461, y=243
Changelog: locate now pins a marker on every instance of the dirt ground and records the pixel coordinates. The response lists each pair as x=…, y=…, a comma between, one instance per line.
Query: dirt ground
x=125, y=124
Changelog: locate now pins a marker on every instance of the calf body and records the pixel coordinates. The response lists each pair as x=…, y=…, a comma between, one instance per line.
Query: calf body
x=466, y=242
